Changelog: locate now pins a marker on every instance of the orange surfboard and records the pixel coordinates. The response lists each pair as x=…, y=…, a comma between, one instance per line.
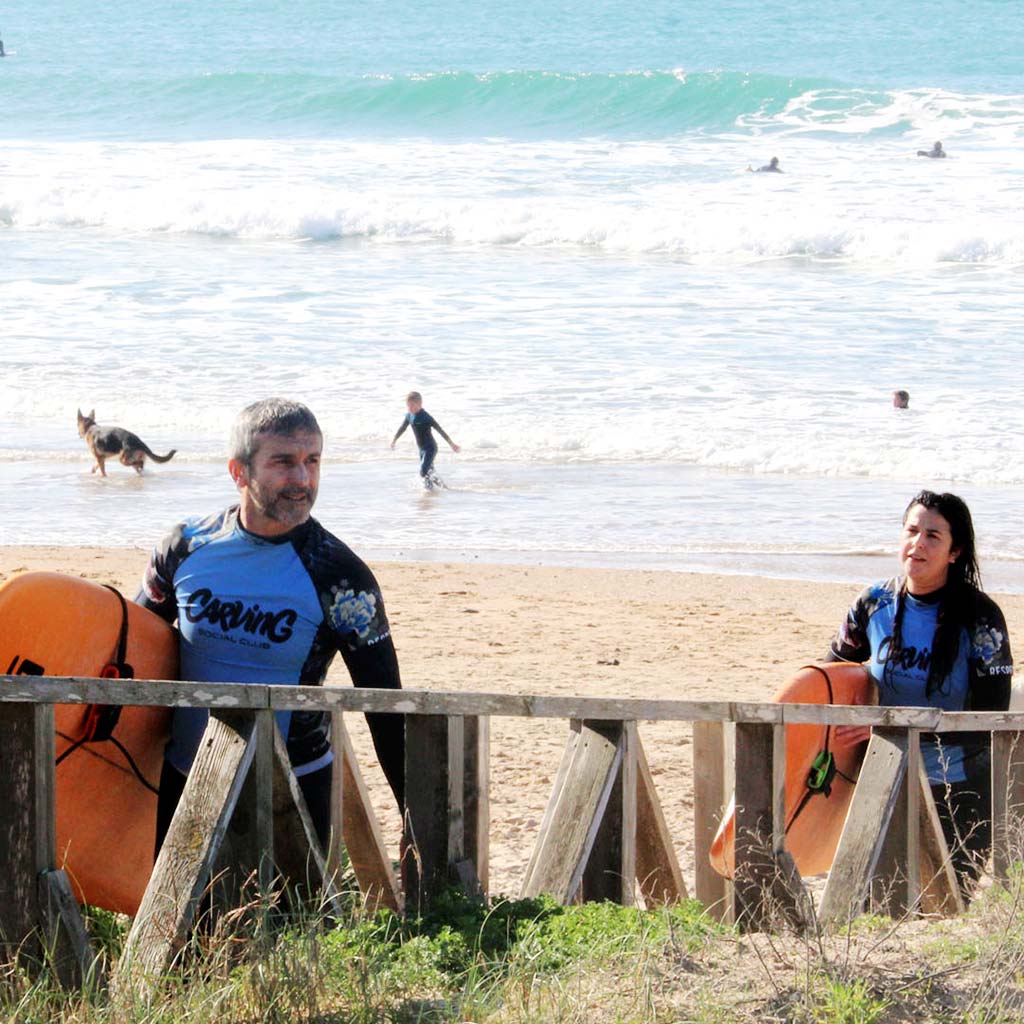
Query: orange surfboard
x=57, y=625
x=813, y=819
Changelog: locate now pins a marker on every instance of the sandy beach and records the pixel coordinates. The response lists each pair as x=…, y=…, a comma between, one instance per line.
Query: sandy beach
x=588, y=632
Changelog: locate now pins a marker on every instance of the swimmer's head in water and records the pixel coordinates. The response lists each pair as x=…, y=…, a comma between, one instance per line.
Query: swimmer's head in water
x=901, y=399
x=774, y=162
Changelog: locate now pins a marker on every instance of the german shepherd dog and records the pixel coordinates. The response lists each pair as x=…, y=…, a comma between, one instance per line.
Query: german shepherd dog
x=106, y=442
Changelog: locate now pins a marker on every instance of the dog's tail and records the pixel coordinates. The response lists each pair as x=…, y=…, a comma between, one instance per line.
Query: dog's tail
x=159, y=458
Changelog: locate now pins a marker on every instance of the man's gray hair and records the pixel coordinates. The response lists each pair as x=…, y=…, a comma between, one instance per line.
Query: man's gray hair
x=278, y=416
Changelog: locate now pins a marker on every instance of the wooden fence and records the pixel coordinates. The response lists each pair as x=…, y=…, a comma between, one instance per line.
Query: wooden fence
x=603, y=835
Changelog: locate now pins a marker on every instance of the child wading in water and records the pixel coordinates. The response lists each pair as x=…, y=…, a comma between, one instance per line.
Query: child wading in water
x=422, y=424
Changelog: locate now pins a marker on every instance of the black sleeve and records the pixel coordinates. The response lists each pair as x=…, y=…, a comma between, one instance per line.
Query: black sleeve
x=377, y=667
x=990, y=661
x=363, y=636
x=157, y=590
x=400, y=431
x=437, y=426
x=851, y=640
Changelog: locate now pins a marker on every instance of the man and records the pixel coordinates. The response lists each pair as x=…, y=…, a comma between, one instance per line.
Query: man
x=935, y=153
x=262, y=593
x=901, y=399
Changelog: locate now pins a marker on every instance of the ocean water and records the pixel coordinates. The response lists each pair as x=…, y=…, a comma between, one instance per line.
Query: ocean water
x=538, y=215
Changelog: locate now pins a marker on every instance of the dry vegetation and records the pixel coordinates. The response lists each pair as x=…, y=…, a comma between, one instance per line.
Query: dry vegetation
x=533, y=962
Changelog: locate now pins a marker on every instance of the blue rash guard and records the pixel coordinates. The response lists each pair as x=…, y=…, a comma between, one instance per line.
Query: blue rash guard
x=274, y=610
x=979, y=681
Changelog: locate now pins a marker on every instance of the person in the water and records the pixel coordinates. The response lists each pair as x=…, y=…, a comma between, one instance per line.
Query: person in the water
x=772, y=166
x=936, y=152
x=423, y=425
x=901, y=399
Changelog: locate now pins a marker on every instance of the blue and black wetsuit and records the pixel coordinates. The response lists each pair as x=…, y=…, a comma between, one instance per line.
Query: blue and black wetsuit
x=273, y=610
x=958, y=765
x=422, y=424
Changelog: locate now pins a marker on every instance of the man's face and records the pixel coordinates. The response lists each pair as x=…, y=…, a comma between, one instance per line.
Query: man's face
x=279, y=487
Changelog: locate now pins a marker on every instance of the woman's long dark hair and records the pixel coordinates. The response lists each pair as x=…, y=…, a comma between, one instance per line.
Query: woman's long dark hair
x=959, y=601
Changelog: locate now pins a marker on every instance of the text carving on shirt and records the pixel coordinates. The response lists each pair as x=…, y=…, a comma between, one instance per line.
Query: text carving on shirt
x=906, y=658
x=230, y=615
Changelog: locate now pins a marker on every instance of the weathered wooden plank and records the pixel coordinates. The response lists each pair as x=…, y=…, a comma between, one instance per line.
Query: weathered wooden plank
x=984, y=721
x=262, y=776
x=657, y=867
x=419, y=702
x=137, y=692
x=610, y=871
x=577, y=811
x=425, y=854
x=940, y=890
x=543, y=833
x=755, y=798
x=789, y=894
x=246, y=855
x=298, y=856
x=476, y=773
x=27, y=824
x=67, y=941
x=867, y=822
x=189, y=851
x=363, y=838
x=87, y=690
x=778, y=788
x=912, y=788
x=862, y=714
x=456, y=744
x=1007, y=801
x=890, y=889
x=438, y=835
x=708, y=807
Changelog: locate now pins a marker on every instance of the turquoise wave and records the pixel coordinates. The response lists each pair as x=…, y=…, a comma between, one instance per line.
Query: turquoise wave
x=458, y=103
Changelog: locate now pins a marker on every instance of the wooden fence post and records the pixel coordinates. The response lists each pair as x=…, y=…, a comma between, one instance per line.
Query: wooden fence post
x=709, y=799
x=755, y=801
x=1007, y=801
x=438, y=840
x=39, y=919
x=476, y=794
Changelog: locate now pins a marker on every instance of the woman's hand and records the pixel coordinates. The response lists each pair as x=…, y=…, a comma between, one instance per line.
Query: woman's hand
x=851, y=735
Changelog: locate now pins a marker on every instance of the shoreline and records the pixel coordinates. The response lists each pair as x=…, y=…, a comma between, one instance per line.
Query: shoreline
x=563, y=631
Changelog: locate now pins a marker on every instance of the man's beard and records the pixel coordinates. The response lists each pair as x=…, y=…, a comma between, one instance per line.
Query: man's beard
x=280, y=509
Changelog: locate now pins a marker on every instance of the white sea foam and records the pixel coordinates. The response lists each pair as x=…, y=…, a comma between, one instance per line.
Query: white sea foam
x=683, y=198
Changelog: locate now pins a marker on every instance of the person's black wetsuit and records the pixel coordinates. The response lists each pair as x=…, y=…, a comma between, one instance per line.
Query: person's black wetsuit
x=423, y=424
x=272, y=610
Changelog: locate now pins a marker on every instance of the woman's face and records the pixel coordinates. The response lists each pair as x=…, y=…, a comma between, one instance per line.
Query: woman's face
x=926, y=550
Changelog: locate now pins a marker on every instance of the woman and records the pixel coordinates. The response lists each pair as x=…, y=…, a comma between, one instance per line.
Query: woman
x=931, y=638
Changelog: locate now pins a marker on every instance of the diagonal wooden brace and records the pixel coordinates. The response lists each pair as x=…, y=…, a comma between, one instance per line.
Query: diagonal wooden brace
x=186, y=860
x=360, y=831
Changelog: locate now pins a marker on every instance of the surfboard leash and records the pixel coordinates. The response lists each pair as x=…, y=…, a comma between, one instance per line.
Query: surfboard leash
x=824, y=768
x=102, y=719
